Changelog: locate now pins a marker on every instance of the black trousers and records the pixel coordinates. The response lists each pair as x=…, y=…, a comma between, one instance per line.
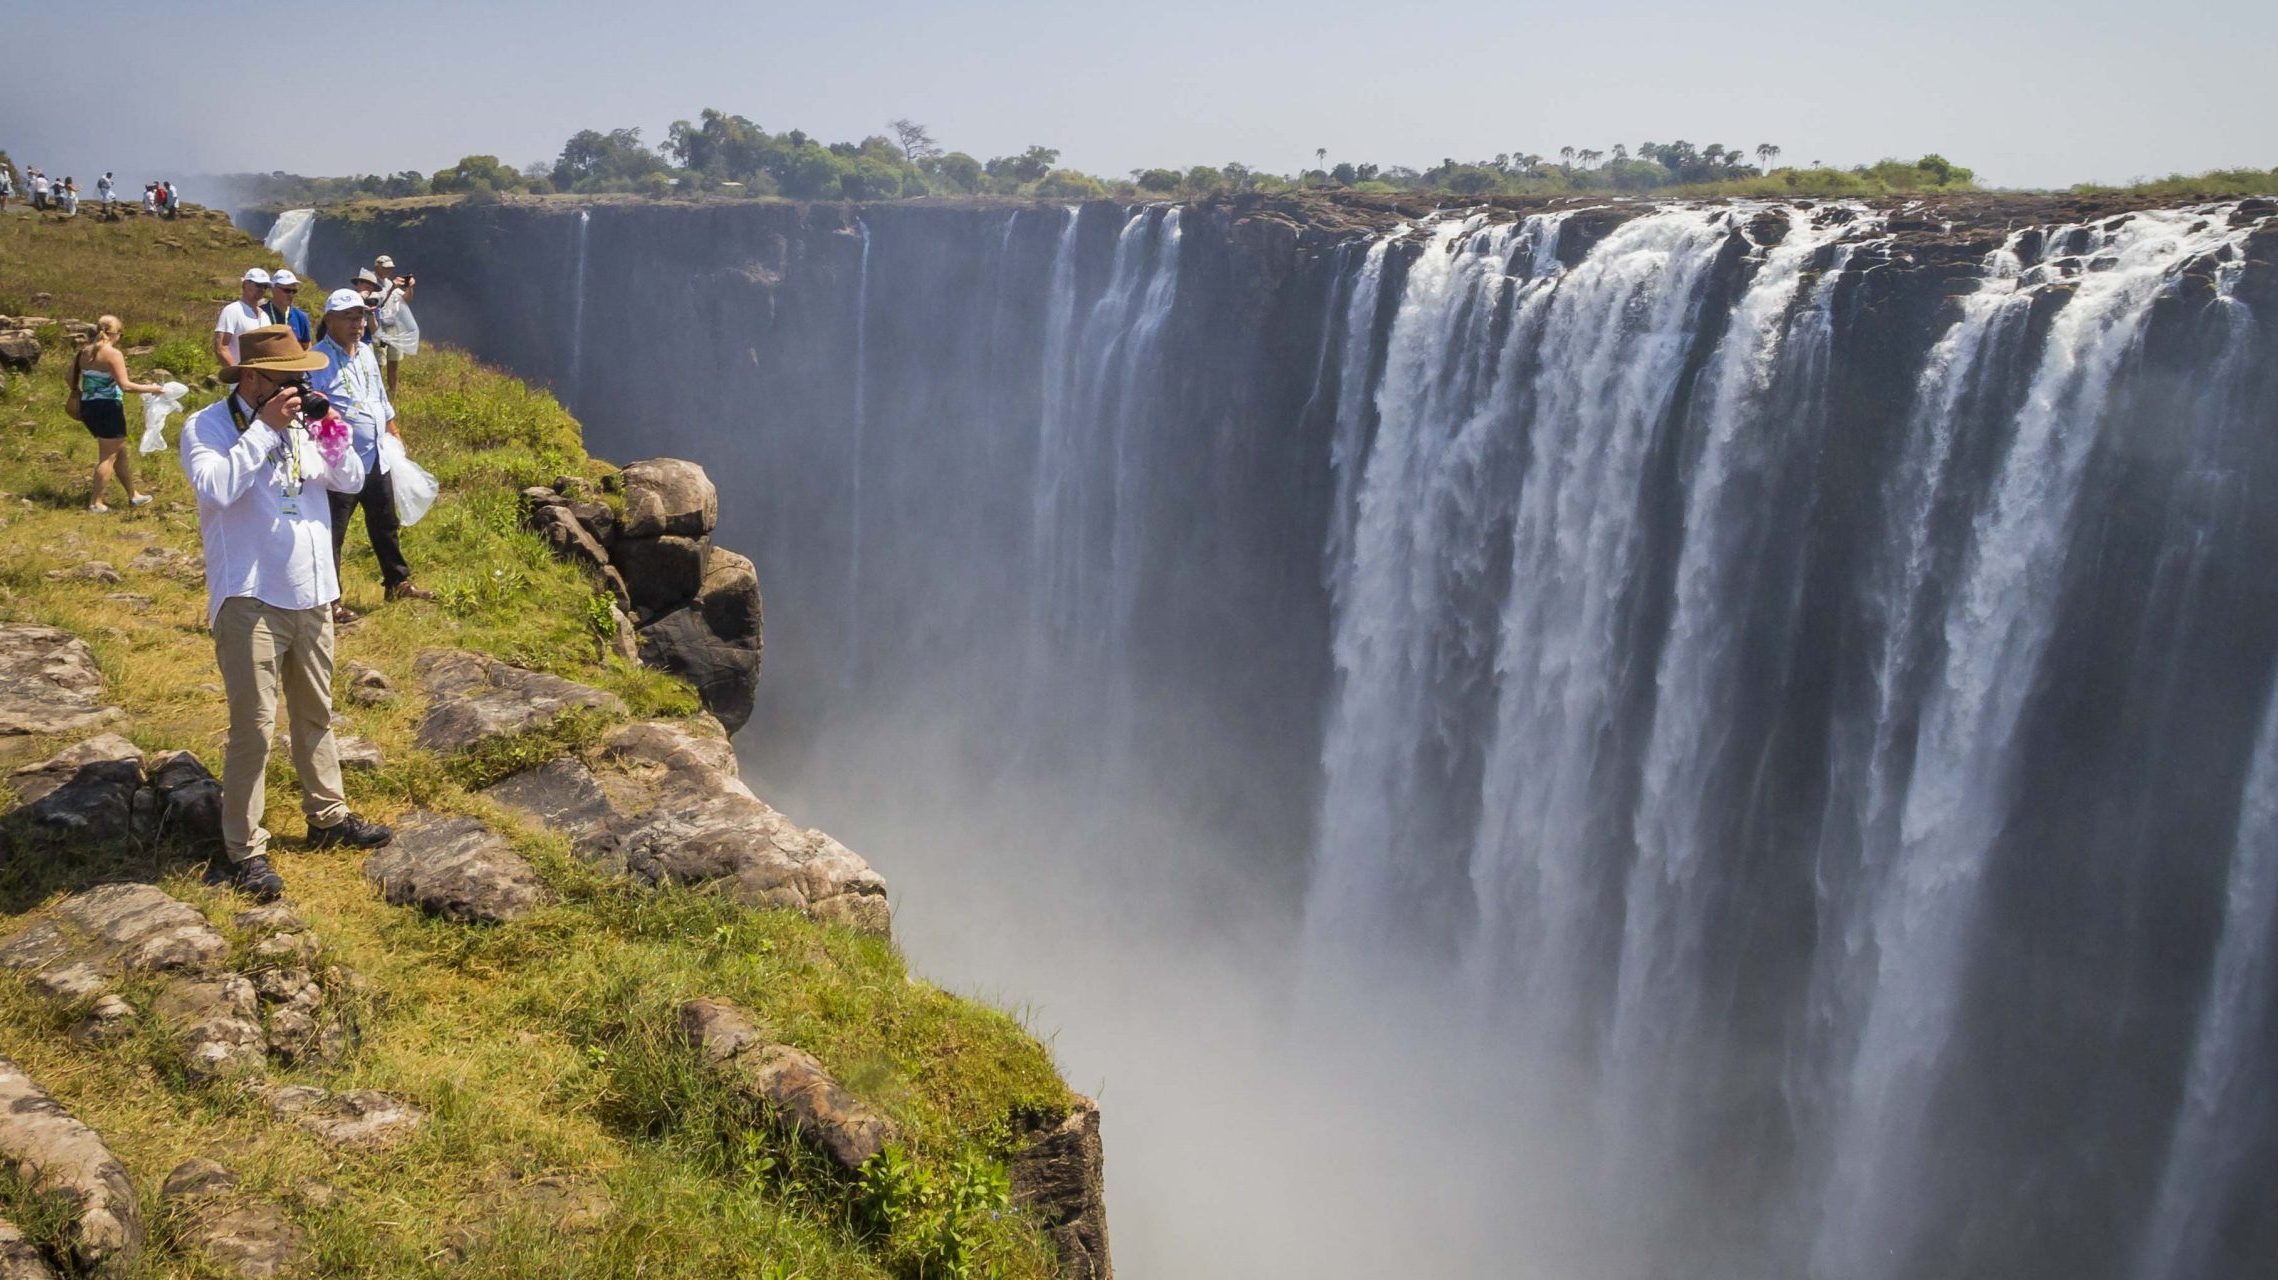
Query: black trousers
x=380, y=523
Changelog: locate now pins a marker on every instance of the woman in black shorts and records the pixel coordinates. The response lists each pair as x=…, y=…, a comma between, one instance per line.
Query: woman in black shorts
x=103, y=380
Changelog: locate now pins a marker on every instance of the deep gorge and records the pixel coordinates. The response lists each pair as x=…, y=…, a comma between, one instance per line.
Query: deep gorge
x=1567, y=740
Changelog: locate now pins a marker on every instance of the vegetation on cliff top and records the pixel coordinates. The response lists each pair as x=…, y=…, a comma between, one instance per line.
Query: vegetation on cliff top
x=540, y=1047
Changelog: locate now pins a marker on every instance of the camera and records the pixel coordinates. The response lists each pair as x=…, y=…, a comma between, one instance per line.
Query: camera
x=315, y=405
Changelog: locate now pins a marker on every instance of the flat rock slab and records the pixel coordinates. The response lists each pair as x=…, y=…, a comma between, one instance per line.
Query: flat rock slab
x=455, y=868
x=49, y=682
x=472, y=698
x=810, y=1102
x=365, y=1119
x=667, y=807
x=53, y=1152
x=117, y=927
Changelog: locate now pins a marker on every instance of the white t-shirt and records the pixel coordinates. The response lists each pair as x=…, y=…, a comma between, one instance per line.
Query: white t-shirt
x=240, y=317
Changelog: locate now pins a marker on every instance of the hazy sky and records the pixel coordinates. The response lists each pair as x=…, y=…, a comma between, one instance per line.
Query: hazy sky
x=2029, y=92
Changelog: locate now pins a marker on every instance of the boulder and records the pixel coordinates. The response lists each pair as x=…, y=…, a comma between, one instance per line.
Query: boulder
x=52, y=1152
x=662, y=573
x=668, y=496
x=472, y=698
x=19, y=349
x=455, y=868
x=49, y=682
x=365, y=1119
x=668, y=808
x=725, y=672
x=196, y=1179
x=730, y=596
x=1059, y=1176
x=367, y=686
x=109, y=1020
x=598, y=520
x=216, y=1026
x=356, y=752
x=567, y=538
x=189, y=796
x=84, y=790
x=162, y=560
x=804, y=1097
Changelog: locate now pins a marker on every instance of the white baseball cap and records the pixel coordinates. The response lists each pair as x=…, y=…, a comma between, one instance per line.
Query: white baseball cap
x=384, y=262
x=285, y=278
x=255, y=275
x=345, y=300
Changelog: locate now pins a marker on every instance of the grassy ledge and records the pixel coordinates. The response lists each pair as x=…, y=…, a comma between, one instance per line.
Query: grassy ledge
x=544, y=1047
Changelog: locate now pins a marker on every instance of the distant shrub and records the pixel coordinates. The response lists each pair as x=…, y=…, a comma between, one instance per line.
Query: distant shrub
x=1067, y=184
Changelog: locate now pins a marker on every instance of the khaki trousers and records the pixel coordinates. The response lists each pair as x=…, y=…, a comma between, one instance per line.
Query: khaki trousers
x=263, y=649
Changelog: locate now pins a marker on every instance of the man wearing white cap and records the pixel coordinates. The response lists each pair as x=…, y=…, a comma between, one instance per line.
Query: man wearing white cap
x=282, y=286
x=351, y=380
x=242, y=316
x=387, y=311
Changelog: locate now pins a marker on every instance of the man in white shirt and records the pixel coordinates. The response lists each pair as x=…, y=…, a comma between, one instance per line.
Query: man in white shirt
x=240, y=317
x=387, y=309
x=265, y=517
x=351, y=379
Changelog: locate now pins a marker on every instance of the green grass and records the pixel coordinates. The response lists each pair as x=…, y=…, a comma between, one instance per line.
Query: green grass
x=2215, y=184
x=542, y=1047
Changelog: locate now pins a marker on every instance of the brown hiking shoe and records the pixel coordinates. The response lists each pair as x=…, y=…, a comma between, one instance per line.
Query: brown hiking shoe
x=409, y=591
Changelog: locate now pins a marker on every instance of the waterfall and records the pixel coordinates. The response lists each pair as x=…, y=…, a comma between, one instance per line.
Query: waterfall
x=576, y=377
x=853, y=639
x=1997, y=629
x=1762, y=714
x=288, y=238
x=2225, y=1102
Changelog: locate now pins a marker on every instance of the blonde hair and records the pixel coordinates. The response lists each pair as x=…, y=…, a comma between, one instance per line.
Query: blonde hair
x=107, y=327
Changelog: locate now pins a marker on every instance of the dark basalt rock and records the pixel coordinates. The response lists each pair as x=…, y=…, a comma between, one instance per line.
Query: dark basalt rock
x=1059, y=1174
x=668, y=496
x=662, y=573
x=85, y=790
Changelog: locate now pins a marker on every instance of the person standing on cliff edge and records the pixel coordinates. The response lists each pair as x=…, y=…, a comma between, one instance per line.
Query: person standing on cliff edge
x=265, y=519
x=351, y=380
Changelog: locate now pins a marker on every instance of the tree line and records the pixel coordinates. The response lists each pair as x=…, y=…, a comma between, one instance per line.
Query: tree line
x=728, y=155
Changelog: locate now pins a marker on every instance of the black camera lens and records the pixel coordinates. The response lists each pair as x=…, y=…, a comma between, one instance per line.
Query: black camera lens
x=315, y=404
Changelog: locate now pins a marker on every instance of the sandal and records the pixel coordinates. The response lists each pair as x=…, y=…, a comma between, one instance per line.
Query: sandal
x=139, y=500
x=342, y=615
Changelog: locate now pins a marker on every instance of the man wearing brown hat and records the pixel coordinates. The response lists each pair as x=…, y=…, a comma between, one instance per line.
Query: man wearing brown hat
x=265, y=516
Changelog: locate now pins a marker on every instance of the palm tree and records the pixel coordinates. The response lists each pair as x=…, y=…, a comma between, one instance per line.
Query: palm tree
x=1621, y=153
x=1766, y=153
x=1321, y=155
x=1566, y=154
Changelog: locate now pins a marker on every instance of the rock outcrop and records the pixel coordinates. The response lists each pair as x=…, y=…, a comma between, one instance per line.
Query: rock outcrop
x=1060, y=1176
x=103, y=788
x=54, y=1154
x=222, y=1022
x=363, y=1119
x=697, y=606
x=238, y=1235
x=49, y=682
x=808, y=1101
x=473, y=697
x=19, y=1258
x=455, y=868
x=666, y=806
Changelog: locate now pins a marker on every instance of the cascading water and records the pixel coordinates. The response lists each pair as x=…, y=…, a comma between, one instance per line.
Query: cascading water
x=289, y=236
x=576, y=368
x=1768, y=702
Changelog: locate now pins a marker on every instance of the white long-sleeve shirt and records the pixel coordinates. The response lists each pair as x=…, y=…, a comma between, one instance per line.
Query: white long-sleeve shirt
x=259, y=540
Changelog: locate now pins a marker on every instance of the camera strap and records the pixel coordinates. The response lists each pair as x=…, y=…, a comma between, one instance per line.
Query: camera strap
x=290, y=448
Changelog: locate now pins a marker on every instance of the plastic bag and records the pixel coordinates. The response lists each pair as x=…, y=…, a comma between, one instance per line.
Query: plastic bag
x=154, y=413
x=415, y=490
x=399, y=330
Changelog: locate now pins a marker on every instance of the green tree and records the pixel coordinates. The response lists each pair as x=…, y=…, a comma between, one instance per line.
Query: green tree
x=616, y=158
x=1067, y=184
x=1029, y=166
x=1157, y=180
x=475, y=173
x=917, y=145
x=960, y=171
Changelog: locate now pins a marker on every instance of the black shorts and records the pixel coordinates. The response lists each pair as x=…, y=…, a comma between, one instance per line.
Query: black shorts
x=105, y=419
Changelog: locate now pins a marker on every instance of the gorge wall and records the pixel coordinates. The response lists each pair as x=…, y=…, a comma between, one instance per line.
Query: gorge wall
x=1767, y=711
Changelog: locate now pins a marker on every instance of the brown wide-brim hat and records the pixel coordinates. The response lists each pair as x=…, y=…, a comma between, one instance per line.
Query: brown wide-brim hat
x=272, y=348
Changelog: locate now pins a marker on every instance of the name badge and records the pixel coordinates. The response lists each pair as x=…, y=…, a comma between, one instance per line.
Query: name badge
x=289, y=506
